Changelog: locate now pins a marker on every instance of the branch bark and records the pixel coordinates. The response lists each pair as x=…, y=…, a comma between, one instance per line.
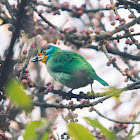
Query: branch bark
x=74, y=106
x=7, y=66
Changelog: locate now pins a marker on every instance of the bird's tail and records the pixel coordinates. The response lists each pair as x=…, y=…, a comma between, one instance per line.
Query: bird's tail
x=101, y=81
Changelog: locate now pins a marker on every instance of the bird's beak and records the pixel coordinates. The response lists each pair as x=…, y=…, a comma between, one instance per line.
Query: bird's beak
x=37, y=58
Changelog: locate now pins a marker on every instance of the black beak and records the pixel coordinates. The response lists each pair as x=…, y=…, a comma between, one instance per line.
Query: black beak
x=34, y=59
x=37, y=58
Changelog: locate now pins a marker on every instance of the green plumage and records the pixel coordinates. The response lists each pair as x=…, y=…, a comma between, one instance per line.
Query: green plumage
x=70, y=68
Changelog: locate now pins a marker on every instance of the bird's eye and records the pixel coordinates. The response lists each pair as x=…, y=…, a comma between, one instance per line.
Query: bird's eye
x=43, y=52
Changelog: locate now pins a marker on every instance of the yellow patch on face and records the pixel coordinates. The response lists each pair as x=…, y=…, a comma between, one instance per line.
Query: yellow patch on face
x=45, y=58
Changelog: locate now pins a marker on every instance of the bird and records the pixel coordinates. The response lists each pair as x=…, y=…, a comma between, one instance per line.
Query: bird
x=67, y=67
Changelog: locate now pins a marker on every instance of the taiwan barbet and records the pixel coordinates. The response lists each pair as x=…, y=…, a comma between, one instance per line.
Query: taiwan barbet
x=67, y=67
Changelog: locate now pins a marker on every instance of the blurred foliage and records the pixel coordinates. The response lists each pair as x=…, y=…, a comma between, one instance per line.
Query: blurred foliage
x=110, y=135
x=111, y=90
x=79, y=132
x=18, y=97
x=34, y=130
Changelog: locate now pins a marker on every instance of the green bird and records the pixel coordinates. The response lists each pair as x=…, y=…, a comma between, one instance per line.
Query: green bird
x=67, y=67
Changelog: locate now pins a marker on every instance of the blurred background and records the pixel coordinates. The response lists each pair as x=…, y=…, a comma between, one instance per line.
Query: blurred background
x=74, y=19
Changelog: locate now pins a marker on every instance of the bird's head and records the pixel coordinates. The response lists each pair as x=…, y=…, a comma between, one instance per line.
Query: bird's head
x=44, y=54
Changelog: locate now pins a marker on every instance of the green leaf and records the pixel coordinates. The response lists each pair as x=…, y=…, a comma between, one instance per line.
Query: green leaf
x=32, y=132
x=45, y=136
x=110, y=135
x=79, y=132
x=112, y=90
x=129, y=136
x=17, y=96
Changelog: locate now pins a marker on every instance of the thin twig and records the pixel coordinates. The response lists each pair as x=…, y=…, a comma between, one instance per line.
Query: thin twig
x=120, y=28
x=26, y=63
x=124, y=36
x=70, y=10
x=128, y=32
x=122, y=122
x=107, y=55
x=115, y=65
x=8, y=6
x=116, y=52
x=44, y=19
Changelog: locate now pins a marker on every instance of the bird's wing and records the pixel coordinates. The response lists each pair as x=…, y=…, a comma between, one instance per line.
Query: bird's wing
x=68, y=62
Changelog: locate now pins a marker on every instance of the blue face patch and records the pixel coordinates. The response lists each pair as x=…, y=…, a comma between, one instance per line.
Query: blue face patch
x=48, y=58
x=50, y=51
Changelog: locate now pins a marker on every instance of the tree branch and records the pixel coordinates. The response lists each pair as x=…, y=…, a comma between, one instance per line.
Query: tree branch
x=131, y=4
x=79, y=43
x=7, y=66
x=74, y=106
x=118, y=29
x=124, y=36
x=116, y=52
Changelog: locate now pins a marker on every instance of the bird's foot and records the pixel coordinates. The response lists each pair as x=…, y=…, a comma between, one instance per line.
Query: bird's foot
x=92, y=92
x=70, y=91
